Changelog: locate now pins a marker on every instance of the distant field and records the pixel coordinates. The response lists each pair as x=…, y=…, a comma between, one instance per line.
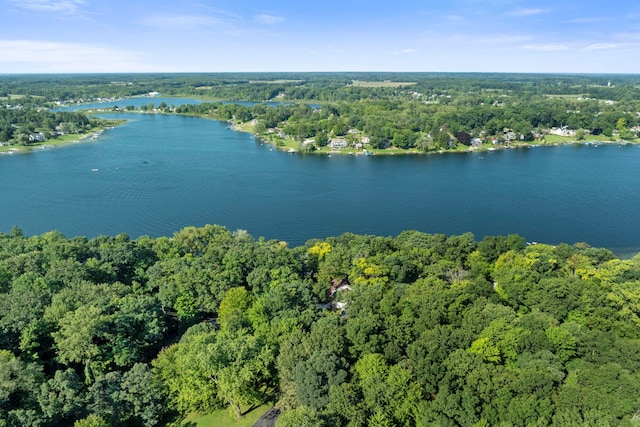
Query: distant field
x=14, y=96
x=557, y=139
x=386, y=83
x=568, y=96
x=275, y=82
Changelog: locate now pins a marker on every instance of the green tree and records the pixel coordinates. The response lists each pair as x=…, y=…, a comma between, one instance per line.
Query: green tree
x=25, y=303
x=91, y=421
x=103, y=398
x=239, y=367
x=321, y=139
x=232, y=314
x=315, y=376
x=78, y=338
x=143, y=395
x=61, y=398
x=208, y=368
x=179, y=367
x=301, y=416
x=19, y=385
x=136, y=329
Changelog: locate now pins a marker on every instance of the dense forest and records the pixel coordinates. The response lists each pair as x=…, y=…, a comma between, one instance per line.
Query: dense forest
x=354, y=330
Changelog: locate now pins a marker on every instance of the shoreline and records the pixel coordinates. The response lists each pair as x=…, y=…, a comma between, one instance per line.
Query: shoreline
x=92, y=135
x=242, y=127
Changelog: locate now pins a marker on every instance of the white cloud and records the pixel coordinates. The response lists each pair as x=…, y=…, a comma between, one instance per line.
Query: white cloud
x=269, y=19
x=50, y=56
x=585, y=20
x=181, y=22
x=335, y=49
x=631, y=36
x=403, y=52
x=546, y=47
x=525, y=12
x=498, y=40
x=64, y=6
x=601, y=46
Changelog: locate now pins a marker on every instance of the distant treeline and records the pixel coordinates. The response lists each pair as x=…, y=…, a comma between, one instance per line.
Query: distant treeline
x=320, y=86
x=355, y=330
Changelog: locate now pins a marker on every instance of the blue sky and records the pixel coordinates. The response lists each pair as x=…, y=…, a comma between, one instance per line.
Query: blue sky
x=568, y=36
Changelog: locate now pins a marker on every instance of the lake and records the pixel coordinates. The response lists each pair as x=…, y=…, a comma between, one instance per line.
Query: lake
x=159, y=173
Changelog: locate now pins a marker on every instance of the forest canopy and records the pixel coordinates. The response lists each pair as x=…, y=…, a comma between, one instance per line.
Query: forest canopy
x=354, y=330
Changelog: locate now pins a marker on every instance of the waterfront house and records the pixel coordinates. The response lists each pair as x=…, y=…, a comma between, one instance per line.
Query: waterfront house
x=37, y=137
x=338, y=143
x=562, y=131
x=509, y=136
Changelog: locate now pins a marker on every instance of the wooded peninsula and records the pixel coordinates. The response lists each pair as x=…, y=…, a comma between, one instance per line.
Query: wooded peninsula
x=354, y=113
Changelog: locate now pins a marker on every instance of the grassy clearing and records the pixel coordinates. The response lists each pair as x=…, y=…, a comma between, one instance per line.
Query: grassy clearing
x=386, y=83
x=224, y=418
x=569, y=96
x=557, y=139
x=16, y=97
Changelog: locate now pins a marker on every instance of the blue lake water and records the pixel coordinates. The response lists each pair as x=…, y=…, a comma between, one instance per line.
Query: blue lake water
x=159, y=173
